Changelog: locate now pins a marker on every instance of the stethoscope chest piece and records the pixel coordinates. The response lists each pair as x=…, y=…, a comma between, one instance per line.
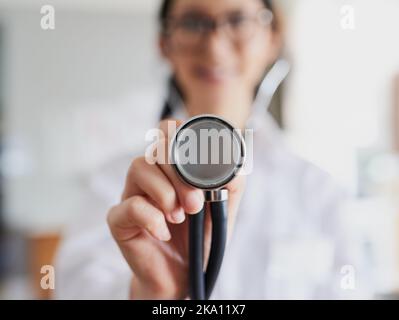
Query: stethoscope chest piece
x=207, y=152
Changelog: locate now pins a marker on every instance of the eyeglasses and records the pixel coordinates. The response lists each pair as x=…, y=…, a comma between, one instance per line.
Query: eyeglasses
x=191, y=29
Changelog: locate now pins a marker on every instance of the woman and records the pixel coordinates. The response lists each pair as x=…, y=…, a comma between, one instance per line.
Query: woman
x=284, y=235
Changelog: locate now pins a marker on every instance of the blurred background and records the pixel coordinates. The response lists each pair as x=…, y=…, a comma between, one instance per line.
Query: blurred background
x=74, y=97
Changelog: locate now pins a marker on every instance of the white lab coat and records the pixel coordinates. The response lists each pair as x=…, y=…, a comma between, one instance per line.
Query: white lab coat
x=288, y=241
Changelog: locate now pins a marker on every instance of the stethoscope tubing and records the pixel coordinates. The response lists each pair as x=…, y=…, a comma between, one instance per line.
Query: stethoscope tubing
x=196, y=255
x=201, y=284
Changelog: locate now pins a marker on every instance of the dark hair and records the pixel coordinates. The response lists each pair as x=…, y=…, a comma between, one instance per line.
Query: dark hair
x=167, y=6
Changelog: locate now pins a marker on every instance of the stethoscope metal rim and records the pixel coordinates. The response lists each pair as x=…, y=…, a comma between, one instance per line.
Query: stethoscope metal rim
x=238, y=166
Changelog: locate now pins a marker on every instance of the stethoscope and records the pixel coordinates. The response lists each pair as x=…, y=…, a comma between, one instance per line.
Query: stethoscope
x=211, y=174
x=212, y=177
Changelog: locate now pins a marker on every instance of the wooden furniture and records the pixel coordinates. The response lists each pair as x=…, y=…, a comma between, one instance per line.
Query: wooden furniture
x=41, y=249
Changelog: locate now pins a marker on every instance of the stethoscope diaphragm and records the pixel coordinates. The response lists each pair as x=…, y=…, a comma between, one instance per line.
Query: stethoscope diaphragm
x=207, y=152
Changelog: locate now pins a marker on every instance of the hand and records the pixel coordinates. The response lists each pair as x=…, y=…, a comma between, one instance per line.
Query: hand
x=151, y=228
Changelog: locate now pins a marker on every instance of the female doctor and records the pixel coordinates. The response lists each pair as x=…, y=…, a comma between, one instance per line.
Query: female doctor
x=285, y=240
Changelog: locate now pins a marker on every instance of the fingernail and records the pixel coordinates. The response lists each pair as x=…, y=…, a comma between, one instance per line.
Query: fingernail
x=194, y=202
x=178, y=215
x=164, y=234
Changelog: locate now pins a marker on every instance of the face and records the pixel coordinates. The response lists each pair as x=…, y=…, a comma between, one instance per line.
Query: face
x=213, y=65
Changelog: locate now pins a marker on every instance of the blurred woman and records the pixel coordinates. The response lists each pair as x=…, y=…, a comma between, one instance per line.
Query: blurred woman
x=284, y=235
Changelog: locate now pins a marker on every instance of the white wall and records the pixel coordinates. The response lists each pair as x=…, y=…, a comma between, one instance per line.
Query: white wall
x=86, y=5
x=338, y=110
x=340, y=93
x=71, y=98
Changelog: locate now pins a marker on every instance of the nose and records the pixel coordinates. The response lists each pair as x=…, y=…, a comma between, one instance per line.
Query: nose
x=216, y=44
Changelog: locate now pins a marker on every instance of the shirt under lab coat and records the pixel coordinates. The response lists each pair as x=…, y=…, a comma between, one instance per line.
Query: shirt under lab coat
x=288, y=241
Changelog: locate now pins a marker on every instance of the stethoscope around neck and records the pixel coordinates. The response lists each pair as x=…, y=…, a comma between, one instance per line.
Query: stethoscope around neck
x=212, y=177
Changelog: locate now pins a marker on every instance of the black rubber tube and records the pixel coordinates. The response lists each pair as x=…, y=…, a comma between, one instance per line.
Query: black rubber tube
x=219, y=236
x=196, y=256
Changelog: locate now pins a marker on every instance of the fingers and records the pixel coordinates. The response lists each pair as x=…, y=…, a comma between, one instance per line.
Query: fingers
x=160, y=183
x=132, y=216
x=151, y=181
x=190, y=198
x=145, y=178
